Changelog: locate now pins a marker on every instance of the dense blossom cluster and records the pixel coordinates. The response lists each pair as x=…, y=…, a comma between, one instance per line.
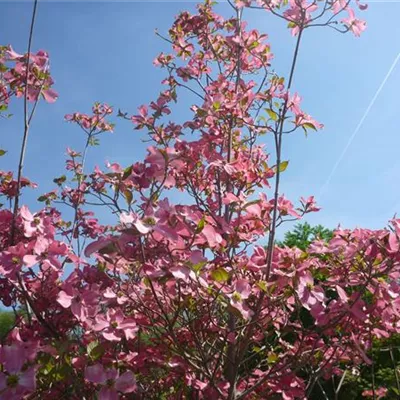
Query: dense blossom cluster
x=187, y=300
x=26, y=74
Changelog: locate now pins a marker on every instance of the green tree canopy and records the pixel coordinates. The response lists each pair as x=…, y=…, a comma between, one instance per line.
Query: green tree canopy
x=7, y=320
x=304, y=234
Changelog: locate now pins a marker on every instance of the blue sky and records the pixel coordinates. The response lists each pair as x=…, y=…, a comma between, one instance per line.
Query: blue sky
x=103, y=51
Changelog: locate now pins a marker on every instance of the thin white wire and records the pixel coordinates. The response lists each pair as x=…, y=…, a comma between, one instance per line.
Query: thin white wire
x=371, y=104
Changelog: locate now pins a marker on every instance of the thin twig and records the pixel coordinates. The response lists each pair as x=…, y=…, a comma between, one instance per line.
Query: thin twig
x=27, y=120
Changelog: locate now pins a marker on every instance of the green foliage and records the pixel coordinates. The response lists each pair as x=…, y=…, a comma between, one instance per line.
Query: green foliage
x=220, y=275
x=304, y=234
x=95, y=350
x=7, y=320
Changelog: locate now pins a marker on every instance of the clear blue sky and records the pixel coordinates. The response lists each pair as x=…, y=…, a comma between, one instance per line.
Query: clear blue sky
x=103, y=51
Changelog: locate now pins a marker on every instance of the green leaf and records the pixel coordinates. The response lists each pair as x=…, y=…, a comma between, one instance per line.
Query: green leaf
x=146, y=281
x=282, y=166
x=95, y=350
x=61, y=373
x=272, y=114
x=2, y=152
x=127, y=172
x=216, y=105
x=250, y=203
x=59, y=181
x=262, y=119
x=254, y=45
x=310, y=126
x=47, y=369
x=7, y=321
x=94, y=141
x=201, y=113
x=173, y=95
x=220, y=275
x=197, y=267
x=200, y=225
x=128, y=196
x=262, y=285
x=272, y=358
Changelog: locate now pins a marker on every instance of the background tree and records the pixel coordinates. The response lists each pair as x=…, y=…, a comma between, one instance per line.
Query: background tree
x=303, y=234
x=7, y=321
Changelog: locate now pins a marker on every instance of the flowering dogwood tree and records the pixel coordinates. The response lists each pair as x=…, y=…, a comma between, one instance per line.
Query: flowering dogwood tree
x=190, y=300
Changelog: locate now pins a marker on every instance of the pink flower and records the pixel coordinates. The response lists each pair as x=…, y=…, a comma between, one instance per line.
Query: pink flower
x=142, y=119
x=357, y=345
x=80, y=301
x=11, y=261
x=12, y=55
x=111, y=382
x=98, y=245
x=181, y=272
x=309, y=294
x=357, y=26
x=294, y=103
x=379, y=393
x=339, y=5
x=213, y=238
x=306, y=121
x=309, y=204
x=242, y=292
x=109, y=294
x=32, y=224
x=285, y=207
x=133, y=219
x=15, y=384
x=114, y=326
x=299, y=13
x=50, y=95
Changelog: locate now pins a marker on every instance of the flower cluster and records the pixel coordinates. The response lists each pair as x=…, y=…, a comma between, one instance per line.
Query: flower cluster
x=22, y=74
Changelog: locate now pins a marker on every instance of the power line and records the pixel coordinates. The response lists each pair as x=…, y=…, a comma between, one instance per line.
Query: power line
x=371, y=104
